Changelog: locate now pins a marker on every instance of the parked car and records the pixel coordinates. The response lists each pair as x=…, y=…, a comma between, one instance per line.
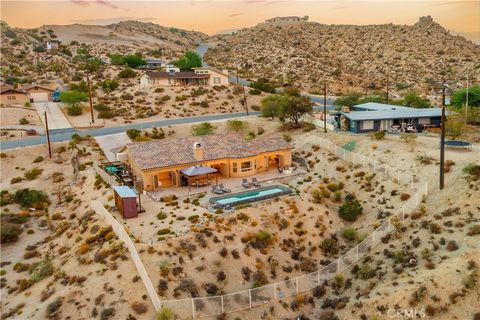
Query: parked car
x=31, y=132
x=56, y=96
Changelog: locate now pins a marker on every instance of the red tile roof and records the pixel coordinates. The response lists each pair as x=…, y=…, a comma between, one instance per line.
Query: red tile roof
x=179, y=151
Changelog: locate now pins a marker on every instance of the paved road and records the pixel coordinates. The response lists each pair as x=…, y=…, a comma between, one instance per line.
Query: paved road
x=65, y=136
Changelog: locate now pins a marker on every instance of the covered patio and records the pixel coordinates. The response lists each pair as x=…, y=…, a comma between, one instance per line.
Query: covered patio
x=198, y=176
x=234, y=184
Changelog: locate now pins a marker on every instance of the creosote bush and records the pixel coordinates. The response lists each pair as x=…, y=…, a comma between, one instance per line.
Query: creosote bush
x=350, y=209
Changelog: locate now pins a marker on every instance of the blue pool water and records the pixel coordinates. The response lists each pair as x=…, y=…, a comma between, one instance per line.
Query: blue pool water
x=251, y=196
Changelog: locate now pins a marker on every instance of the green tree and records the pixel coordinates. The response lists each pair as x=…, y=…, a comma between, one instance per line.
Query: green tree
x=459, y=97
x=412, y=99
x=273, y=105
x=350, y=209
x=202, y=129
x=116, y=59
x=134, y=60
x=133, y=133
x=189, y=61
x=73, y=98
x=263, y=85
x=296, y=108
x=291, y=91
x=350, y=99
x=81, y=86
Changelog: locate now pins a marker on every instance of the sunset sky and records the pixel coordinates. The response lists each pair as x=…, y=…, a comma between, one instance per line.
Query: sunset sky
x=214, y=16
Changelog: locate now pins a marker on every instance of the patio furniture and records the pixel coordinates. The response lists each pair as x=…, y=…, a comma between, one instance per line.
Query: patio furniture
x=255, y=182
x=217, y=190
x=246, y=184
x=222, y=188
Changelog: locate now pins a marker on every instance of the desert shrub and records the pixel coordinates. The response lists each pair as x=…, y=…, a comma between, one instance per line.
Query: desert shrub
x=329, y=246
x=163, y=231
x=365, y=272
x=472, y=171
x=74, y=110
x=404, y=196
x=287, y=137
x=133, y=133
x=254, y=92
x=319, y=291
x=9, y=232
x=16, y=180
x=201, y=129
x=235, y=125
x=23, y=121
x=210, y=288
x=259, y=279
x=378, y=135
x=165, y=314
x=41, y=270
x=31, y=198
x=127, y=73
x=474, y=230
x=38, y=159
x=53, y=307
x=349, y=234
x=350, y=209
x=139, y=307
x=32, y=174
x=452, y=245
x=161, y=215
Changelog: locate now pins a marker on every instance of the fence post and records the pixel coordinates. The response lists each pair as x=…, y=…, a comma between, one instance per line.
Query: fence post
x=275, y=291
x=318, y=277
x=250, y=297
x=221, y=298
x=344, y=154
x=374, y=233
x=296, y=285
x=356, y=249
x=193, y=308
x=403, y=212
x=416, y=199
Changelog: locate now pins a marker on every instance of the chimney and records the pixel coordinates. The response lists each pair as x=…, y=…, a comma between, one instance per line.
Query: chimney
x=198, y=151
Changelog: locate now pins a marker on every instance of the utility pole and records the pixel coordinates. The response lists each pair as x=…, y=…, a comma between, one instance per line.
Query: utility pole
x=466, y=103
x=442, y=141
x=48, y=136
x=245, y=99
x=90, y=96
x=387, y=89
x=325, y=107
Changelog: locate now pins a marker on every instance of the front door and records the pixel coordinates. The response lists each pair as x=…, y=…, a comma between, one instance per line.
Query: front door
x=155, y=182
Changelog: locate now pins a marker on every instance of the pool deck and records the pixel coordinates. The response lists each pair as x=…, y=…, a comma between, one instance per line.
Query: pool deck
x=265, y=179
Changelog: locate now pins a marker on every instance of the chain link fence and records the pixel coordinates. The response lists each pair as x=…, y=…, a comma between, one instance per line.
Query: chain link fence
x=216, y=305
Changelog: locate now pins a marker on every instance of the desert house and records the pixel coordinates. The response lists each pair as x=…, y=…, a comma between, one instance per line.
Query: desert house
x=38, y=93
x=371, y=116
x=10, y=96
x=208, y=76
x=287, y=19
x=167, y=162
x=52, y=45
x=152, y=63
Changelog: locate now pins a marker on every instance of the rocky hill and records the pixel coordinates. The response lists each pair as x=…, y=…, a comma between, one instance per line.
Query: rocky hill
x=347, y=56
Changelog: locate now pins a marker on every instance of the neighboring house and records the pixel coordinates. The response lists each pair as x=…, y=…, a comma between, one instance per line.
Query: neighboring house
x=151, y=63
x=373, y=116
x=199, y=76
x=39, y=93
x=287, y=19
x=52, y=45
x=10, y=96
x=159, y=163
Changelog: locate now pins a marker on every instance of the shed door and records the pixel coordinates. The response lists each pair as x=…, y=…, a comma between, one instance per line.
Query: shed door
x=39, y=96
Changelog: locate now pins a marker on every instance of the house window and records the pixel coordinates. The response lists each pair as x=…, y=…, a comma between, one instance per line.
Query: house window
x=216, y=80
x=234, y=167
x=367, y=125
x=11, y=98
x=246, y=166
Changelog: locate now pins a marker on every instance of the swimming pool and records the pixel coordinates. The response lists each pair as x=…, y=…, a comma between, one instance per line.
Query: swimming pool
x=250, y=196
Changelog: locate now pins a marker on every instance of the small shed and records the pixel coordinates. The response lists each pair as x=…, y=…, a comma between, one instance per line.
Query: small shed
x=126, y=201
